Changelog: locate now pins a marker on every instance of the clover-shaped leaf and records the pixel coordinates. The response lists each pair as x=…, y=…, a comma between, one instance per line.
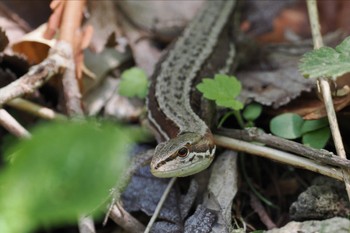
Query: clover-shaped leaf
x=223, y=89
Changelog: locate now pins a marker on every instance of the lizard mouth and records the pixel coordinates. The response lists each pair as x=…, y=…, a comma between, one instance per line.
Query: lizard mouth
x=190, y=169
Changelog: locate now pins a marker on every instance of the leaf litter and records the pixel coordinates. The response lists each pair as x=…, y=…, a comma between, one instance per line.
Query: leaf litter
x=275, y=86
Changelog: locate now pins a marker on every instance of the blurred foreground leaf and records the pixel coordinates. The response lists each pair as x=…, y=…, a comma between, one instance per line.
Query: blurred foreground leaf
x=134, y=83
x=65, y=170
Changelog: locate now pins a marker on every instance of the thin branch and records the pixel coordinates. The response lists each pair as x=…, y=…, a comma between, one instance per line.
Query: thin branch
x=277, y=155
x=120, y=216
x=70, y=27
x=35, y=109
x=160, y=205
x=37, y=75
x=10, y=123
x=137, y=161
x=256, y=135
x=314, y=22
x=332, y=118
x=326, y=93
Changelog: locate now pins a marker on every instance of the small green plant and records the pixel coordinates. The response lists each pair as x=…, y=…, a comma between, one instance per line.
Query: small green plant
x=65, y=170
x=223, y=89
x=327, y=62
x=134, y=83
x=314, y=133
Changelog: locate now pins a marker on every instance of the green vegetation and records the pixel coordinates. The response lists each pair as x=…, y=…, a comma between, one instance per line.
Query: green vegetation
x=134, y=83
x=314, y=133
x=64, y=171
x=327, y=62
x=223, y=90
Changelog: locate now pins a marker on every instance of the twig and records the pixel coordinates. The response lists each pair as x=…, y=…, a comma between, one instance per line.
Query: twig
x=332, y=118
x=260, y=210
x=256, y=135
x=277, y=155
x=35, y=109
x=160, y=205
x=137, y=161
x=326, y=93
x=120, y=216
x=37, y=74
x=71, y=21
x=314, y=22
x=86, y=225
x=10, y=123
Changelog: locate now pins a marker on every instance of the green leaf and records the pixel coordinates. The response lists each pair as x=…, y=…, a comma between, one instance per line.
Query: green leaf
x=223, y=89
x=326, y=61
x=311, y=125
x=134, y=83
x=65, y=170
x=287, y=125
x=252, y=111
x=317, y=139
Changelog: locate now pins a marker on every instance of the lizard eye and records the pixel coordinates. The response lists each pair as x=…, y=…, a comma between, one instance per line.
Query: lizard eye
x=183, y=152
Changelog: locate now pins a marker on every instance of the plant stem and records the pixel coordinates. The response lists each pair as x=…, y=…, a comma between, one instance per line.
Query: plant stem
x=224, y=118
x=160, y=205
x=326, y=92
x=239, y=118
x=251, y=186
x=315, y=25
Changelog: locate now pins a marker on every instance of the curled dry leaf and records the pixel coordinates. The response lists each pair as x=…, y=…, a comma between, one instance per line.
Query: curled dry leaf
x=34, y=45
x=222, y=188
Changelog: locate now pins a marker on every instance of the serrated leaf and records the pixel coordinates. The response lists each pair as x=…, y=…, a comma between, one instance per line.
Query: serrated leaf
x=252, y=111
x=312, y=125
x=317, y=139
x=287, y=125
x=134, y=83
x=63, y=171
x=326, y=61
x=223, y=89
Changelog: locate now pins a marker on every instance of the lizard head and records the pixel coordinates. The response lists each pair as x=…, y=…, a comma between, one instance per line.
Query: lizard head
x=184, y=155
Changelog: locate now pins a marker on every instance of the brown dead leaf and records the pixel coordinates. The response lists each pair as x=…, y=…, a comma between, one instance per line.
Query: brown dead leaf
x=310, y=107
x=34, y=46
